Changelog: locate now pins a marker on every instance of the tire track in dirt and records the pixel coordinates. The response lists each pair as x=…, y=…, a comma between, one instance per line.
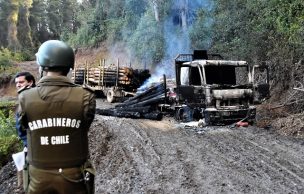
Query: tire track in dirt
x=133, y=150
x=229, y=174
x=280, y=159
x=259, y=163
x=277, y=146
x=115, y=170
x=144, y=156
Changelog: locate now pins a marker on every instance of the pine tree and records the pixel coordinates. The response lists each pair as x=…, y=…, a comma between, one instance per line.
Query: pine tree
x=12, y=20
x=3, y=22
x=24, y=30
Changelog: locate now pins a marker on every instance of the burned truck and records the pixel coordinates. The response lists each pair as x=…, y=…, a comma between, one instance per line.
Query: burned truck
x=219, y=91
x=113, y=81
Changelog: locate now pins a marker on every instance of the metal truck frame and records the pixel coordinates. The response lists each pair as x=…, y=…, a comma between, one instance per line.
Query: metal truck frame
x=114, y=82
x=220, y=91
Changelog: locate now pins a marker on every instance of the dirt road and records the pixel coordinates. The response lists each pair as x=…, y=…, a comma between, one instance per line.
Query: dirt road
x=144, y=156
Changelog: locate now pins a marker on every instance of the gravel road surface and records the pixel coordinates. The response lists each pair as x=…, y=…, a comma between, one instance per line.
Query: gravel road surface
x=145, y=156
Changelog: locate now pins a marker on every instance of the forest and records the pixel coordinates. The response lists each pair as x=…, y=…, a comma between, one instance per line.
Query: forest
x=153, y=31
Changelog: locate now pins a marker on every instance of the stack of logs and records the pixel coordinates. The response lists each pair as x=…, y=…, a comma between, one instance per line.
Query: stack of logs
x=143, y=105
x=110, y=76
x=107, y=76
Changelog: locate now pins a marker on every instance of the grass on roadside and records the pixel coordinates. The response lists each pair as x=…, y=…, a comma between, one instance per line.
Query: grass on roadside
x=9, y=141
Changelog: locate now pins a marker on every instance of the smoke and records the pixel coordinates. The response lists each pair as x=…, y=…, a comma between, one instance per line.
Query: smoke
x=178, y=23
x=119, y=54
x=176, y=33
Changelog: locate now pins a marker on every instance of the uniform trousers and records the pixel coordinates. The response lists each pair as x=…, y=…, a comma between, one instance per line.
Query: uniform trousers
x=56, y=181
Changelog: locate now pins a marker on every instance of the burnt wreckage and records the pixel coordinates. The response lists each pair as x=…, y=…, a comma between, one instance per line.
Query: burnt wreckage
x=111, y=81
x=207, y=87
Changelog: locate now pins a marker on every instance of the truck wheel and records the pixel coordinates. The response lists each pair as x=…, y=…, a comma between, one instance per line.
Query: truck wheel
x=184, y=114
x=110, y=96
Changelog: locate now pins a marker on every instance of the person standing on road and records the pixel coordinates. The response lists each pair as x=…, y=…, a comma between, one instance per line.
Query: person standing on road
x=57, y=115
x=23, y=80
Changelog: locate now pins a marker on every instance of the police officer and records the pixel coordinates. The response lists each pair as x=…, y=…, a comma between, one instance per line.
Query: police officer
x=57, y=115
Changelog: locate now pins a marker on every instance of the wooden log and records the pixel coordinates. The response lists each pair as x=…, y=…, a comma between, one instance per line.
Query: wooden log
x=114, y=112
x=109, y=72
x=151, y=101
x=108, y=75
x=109, y=81
x=151, y=90
x=111, y=78
x=157, y=93
x=129, y=114
x=153, y=116
x=143, y=98
x=145, y=109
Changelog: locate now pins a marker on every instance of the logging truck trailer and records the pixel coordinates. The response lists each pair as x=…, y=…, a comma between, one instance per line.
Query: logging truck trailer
x=216, y=90
x=112, y=82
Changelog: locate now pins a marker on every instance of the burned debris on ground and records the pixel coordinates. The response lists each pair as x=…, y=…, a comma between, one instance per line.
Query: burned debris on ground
x=143, y=105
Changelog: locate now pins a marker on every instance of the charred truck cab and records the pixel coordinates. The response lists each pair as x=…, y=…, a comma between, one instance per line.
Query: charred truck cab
x=220, y=91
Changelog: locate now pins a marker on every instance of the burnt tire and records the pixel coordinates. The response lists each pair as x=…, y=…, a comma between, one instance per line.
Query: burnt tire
x=184, y=114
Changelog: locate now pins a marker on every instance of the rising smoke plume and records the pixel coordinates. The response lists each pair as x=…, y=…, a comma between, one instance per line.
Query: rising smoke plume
x=176, y=27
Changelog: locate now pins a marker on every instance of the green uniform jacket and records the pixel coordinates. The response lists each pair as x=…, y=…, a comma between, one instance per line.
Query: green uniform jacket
x=57, y=115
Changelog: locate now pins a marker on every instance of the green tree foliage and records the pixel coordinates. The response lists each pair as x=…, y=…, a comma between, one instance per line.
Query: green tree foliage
x=31, y=22
x=114, y=12
x=3, y=22
x=12, y=20
x=54, y=18
x=60, y=17
x=261, y=31
x=9, y=142
x=255, y=31
x=8, y=146
x=7, y=123
x=133, y=11
x=231, y=28
x=200, y=33
x=7, y=70
x=24, y=29
x=89, y=25
x=147, y=41
x=83, y=37
x=38, y=22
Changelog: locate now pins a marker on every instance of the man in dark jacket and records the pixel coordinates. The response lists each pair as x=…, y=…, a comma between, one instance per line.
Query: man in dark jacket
x=57, y=115
x=23, y=80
